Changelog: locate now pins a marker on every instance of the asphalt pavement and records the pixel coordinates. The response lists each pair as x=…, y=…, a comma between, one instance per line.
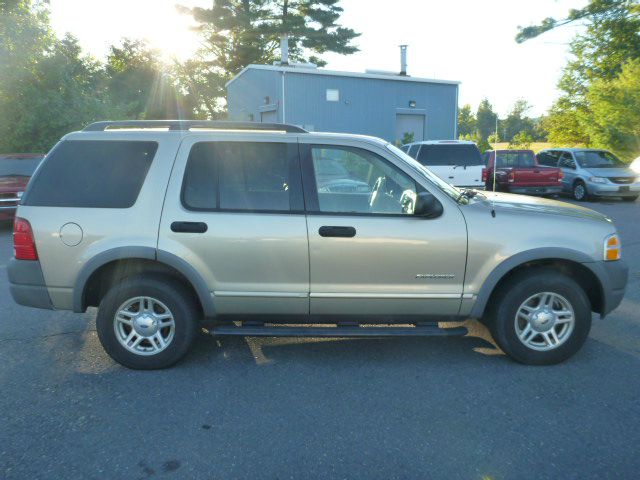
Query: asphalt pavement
x=398, y=408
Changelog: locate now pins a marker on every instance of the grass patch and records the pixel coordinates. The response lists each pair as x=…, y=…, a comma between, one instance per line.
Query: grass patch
x=535, y=146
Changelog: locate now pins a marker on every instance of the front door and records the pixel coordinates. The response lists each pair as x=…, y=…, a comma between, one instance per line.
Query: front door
x=234, y=211
x=369, y=255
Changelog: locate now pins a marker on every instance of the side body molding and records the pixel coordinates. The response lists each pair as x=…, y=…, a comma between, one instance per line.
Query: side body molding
x=147, y=253
x=546, y=253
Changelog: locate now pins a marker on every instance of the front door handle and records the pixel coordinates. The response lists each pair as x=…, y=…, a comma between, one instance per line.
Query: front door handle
x=189, y=227
x=332, y=231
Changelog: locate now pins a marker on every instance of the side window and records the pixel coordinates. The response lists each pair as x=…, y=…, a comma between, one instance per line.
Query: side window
x=92, y=174
x=566, y=161
x=413, y=151
x=354, y=180
x=242, y=176
x=405, y=148
x=549, y=159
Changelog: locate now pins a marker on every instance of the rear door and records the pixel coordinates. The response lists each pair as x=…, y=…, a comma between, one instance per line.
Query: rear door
x=234, y=211
x=369, y=254
x=568, y=166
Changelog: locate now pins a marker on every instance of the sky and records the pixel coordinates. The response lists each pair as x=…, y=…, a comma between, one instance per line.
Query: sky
x=471, y=41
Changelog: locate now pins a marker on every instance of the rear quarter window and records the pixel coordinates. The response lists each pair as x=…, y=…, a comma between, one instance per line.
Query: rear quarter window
x=449, y=155
x=91, y=174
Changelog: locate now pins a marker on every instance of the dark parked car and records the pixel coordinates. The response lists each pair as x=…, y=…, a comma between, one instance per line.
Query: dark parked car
x=15, y=171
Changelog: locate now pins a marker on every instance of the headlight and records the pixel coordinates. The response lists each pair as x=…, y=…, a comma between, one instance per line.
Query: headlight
x=598, y=180
x=612, y=248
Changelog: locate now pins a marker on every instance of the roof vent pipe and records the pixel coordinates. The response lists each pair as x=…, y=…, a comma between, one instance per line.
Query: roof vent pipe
x=284, y=49
x=403, y=60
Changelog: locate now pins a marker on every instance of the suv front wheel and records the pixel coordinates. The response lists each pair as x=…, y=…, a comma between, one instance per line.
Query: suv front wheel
x=540, y=318
x=147, y=322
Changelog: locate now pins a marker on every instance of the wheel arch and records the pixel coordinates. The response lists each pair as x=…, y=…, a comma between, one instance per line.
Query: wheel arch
x=118, y=263
x=579, y=266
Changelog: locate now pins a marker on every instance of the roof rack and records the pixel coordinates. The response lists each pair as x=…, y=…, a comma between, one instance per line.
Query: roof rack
x=184, y=125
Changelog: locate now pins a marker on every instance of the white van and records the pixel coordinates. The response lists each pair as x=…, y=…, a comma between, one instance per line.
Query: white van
x=457, y=162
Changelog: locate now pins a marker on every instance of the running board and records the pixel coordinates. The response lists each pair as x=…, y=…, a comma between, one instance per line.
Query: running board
x=339, y=331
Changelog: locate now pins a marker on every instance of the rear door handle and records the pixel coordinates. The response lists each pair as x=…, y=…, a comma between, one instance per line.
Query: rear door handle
x=189, y=227
x=332, y=231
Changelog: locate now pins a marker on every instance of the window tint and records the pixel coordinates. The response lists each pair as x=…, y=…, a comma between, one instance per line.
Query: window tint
x=353, y=180
x=549, y=159
x=515, y=159
x=92, y=174
x=23, y=167
x=413, y=151
x=566, y=161
x=242, y=176
x=405, y=148
x=449, y=154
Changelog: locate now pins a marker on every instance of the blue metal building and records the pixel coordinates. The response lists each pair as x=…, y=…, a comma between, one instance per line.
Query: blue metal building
x=381, y=104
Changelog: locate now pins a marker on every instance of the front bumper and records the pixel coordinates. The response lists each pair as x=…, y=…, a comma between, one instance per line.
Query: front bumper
x=26, y=284
x=536, y=190
x=613, y=190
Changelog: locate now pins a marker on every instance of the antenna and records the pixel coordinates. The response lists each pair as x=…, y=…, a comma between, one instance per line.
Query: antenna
x=495, y=168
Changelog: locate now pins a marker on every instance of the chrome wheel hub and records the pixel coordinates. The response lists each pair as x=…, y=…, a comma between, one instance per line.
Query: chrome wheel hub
x=144, y=325
x=544, y=321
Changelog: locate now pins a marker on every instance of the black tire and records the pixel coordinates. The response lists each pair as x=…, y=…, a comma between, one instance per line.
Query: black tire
x=579, y=191
x=507, y=301
x=629, y=199
x=171, y=293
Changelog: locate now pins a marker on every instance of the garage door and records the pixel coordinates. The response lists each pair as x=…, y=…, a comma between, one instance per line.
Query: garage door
x=410, y=124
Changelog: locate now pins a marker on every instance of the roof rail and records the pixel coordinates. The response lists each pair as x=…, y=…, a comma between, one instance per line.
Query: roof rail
x=183, y=125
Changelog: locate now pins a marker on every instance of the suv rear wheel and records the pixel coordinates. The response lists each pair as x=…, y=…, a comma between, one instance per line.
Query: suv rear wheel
x=147, y=322
x=540, y=318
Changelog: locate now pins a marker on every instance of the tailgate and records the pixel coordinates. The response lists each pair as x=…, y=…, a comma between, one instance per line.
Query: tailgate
x=536, y=176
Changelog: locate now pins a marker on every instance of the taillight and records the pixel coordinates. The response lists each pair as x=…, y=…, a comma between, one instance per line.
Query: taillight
x=560, y=175
x=484, y=174
x=24, y=244
x=512, y=177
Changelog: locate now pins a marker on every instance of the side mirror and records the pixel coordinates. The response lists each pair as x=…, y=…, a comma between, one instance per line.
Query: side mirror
x=427, y=206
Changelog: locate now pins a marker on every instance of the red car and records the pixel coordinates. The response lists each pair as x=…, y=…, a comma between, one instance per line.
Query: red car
x=15, y=171
x=518, y=171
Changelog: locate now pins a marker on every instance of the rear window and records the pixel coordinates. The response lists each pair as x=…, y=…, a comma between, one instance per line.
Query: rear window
x=516, y=159
x=449, y=155
x=92, y=174
x=21, y=167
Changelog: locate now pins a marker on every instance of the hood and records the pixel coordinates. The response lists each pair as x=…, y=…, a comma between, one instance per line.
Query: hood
x=611, y=172
x=13, y=183
x=528, y=204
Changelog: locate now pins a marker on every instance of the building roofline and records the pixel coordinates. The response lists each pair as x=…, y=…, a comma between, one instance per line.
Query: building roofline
x=336, y=73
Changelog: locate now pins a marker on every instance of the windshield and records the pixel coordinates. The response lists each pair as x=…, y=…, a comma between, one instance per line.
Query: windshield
x=598, y=159
x=450, y=190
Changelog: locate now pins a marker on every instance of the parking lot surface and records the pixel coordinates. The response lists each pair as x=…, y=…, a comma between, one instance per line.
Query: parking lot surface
x=396, y=408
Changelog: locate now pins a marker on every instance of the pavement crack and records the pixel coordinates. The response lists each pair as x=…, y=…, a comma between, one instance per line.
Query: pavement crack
x=41, y=337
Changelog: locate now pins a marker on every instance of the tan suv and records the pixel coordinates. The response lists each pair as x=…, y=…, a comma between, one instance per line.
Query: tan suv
x=254, y=229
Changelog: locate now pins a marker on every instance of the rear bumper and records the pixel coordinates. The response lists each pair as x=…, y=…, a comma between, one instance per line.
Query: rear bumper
x=26, y=284
x=536, y=190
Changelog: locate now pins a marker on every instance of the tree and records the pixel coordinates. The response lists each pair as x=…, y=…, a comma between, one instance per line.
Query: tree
x=485, y=119
x=466, y=121
x=521, y=140
x=141, y=85
x=237, y=33
x=517, y=121
x=614, y=122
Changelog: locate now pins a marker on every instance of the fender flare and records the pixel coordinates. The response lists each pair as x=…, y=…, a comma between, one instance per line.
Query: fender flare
x=545, y=253
x=148, y=253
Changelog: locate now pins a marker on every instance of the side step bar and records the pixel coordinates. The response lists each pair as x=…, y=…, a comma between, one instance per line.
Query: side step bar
x=340, y=331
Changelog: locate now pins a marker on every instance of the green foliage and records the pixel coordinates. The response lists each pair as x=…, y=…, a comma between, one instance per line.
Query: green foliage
x=517, y=121
x=521, y=140
x=485, y=119
x=614, y=105
x=483, y=145
x=494, y=138
x=466, y=120
x=407, y=137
